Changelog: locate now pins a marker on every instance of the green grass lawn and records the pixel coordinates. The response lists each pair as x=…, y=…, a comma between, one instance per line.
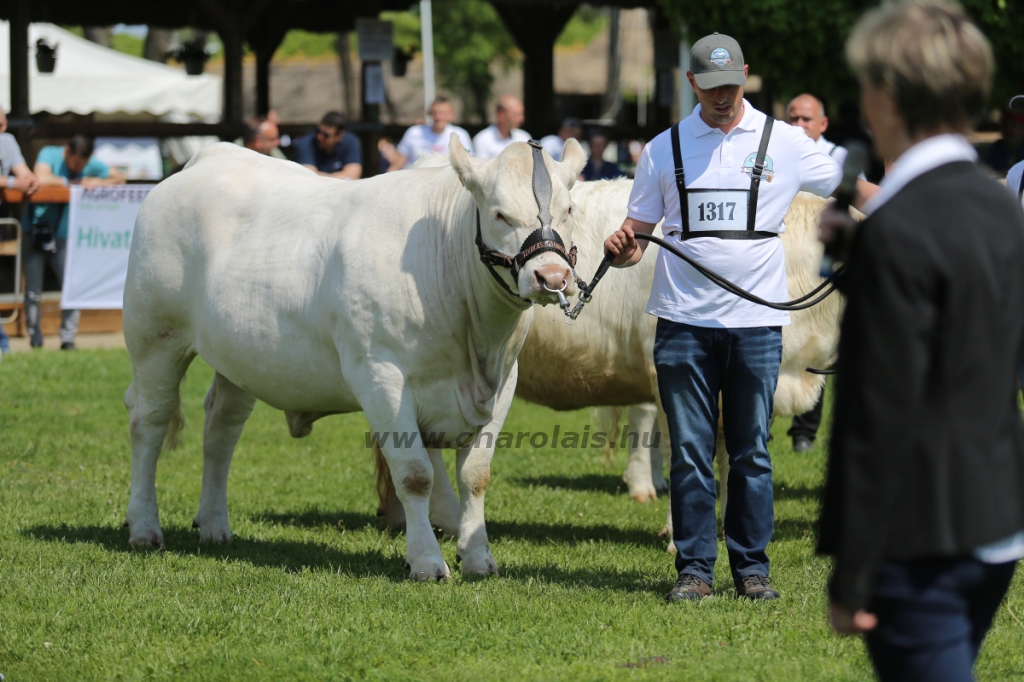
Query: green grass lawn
x=312, y=588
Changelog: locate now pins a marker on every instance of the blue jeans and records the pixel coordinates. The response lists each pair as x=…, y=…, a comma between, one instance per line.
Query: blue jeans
x=932, y=616
x=694, y=365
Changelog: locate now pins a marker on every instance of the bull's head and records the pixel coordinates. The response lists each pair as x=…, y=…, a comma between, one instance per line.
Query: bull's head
x=525, y=215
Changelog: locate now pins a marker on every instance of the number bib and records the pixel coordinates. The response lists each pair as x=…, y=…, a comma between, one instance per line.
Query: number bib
x=714, y=210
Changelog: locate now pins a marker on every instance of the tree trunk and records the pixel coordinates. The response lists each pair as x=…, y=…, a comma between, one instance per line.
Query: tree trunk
x=158, y=42
x=611, y=103
x=349, y=92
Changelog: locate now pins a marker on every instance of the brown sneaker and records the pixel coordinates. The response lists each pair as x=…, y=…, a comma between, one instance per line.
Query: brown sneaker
x=688, y=588
x=756, y=587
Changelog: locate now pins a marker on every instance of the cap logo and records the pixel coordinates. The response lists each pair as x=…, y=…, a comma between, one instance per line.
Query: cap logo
x=720, y=57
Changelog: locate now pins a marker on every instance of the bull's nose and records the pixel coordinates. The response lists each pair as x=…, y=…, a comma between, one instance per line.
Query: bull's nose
x=552, y=277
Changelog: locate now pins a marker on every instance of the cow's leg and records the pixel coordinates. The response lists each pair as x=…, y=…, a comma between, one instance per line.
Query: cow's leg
x=227, y=408
x=473, y=469
x=444, y=504
x=639, y=472
x=722, y=460
x=154, y=415
x=390, y=407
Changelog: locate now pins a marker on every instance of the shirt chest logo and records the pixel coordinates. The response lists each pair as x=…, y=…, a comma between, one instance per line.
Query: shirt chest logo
x=769, y=166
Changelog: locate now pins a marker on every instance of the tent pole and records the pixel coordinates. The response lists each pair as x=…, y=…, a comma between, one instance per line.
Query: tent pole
x=20, y=119
x=427, y=38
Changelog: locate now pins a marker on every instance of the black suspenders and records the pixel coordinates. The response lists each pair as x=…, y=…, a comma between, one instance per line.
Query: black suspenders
x=757, y=172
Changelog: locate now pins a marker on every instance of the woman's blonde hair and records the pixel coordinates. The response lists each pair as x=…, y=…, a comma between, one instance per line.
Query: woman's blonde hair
x=928, y=55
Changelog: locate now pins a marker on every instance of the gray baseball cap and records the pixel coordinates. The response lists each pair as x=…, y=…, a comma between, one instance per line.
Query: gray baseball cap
x=717, y=60
x=1017, y=103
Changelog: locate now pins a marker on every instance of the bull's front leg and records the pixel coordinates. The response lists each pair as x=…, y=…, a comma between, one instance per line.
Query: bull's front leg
x=390, y=407
x=473, y=469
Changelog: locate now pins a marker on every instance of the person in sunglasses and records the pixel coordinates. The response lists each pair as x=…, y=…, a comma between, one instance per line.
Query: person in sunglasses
x=330, y=150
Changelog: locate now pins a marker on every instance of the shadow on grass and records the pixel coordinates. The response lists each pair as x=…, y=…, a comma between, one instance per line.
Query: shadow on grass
x=798, y=492
x=288, y=555
x=318, y=518
x=600, y=483
x=573, y=534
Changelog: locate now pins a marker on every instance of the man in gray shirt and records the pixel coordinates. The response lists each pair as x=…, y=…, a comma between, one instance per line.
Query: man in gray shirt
x=14, y=172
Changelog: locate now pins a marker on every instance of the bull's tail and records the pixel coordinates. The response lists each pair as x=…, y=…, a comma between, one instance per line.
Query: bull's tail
x=388, y=504
x=381, y=479
x=172, y=440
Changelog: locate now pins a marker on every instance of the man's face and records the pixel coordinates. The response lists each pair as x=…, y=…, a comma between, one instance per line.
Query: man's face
x=268, y=138
x=442, y=114
x=327, y=137
x=570, y=131
x=598, y=143
x=806, y=113
x=511, y=115
x=74, y=162
x=720, y=105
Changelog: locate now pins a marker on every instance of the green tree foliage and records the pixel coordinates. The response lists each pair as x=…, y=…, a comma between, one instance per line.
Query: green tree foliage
x=798, y=45
x=584, y=26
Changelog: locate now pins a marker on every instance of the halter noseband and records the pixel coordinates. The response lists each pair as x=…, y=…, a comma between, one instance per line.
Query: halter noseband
x=541, y=240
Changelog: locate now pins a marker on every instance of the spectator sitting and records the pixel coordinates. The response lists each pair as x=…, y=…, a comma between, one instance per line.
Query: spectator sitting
x=490, y=141
x=331, y=151
x=553, y=144
x=597, y=168
x=1009, y=149
x=14, y=174
x=390, y=159
x=420, y=140
x=262, y=137
x=47, y=240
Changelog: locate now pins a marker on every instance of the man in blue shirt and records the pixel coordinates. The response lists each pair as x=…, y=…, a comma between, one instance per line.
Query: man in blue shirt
x=47, y=239
x=330, y=150
x=597, y=168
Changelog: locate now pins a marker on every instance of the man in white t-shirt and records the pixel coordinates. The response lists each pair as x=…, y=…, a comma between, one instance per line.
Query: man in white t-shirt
x=709, y=341
x=554, y=144
x=808, y=112
x=493, y=139
x=420, y=140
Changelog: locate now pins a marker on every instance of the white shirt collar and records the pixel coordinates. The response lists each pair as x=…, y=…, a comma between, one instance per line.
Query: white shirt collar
x=926, y=155
x=749, y=121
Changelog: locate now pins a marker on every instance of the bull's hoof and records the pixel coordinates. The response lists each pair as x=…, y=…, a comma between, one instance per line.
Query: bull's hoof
x=428, y=570
x=671, y=549
x=147, y=538
x=665, y=533
x=645, y=496
x=212, y=531
x=479, y=565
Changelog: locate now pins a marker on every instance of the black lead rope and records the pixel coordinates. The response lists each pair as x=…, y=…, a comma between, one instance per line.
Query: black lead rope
x=808, y=300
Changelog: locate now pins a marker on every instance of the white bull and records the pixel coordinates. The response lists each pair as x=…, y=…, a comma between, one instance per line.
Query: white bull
x=321, y=297
x=607, y=357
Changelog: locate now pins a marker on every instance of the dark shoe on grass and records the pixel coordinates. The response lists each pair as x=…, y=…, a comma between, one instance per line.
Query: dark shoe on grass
x=67, y=345
x=688, y=588
x=756, y=587
x=802, y=444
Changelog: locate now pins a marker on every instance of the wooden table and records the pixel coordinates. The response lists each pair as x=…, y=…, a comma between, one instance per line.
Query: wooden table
x=45, y=195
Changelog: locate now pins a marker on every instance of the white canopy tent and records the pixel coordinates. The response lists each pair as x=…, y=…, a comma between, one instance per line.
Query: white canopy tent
x=90, y=78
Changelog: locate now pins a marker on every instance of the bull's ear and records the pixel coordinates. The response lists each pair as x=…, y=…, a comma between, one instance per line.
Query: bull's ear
x=462, y=162
x=573, y=161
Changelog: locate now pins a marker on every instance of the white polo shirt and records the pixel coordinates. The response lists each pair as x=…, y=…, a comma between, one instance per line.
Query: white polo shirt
x=713, y=160
x=1013, y=179
x=420, y=140
x=488, y=143
x=832, y=149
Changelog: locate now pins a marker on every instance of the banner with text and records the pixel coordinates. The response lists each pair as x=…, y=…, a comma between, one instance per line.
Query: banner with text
x=100, y=226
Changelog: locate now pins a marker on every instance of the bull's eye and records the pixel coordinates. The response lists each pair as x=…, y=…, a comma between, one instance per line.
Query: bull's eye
x=503, y=219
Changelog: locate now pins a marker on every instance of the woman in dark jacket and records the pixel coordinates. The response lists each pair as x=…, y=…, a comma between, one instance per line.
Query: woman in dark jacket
x=923, y=507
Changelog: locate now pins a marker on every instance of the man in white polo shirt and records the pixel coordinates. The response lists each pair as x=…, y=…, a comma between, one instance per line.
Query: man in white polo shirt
x=493, y=139
x=808, y=112
x=420, y=140
x=735, y=172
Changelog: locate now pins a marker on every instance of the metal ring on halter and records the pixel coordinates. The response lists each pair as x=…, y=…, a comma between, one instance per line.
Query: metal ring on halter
x=563, y=302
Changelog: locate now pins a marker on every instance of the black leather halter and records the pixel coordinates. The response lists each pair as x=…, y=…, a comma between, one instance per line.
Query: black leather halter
x=539, y=241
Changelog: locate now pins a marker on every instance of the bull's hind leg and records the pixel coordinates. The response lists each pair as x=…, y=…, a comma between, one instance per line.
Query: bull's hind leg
x=227, y=408
x=154, y=414
x=640, y=473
